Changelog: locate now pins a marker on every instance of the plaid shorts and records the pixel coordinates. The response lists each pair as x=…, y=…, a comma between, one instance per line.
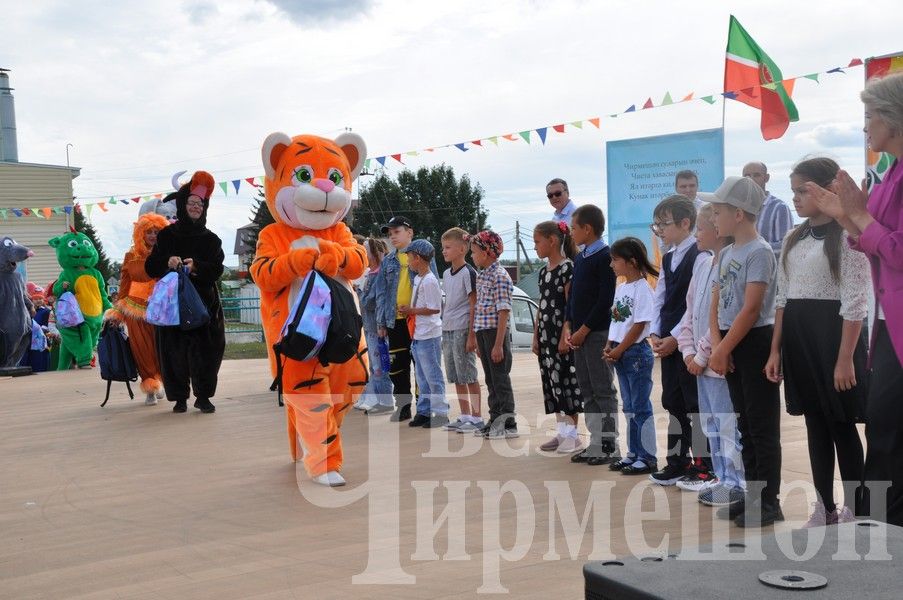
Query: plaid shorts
x=460, y=365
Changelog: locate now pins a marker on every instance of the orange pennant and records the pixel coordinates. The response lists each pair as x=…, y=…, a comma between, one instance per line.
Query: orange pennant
x=103, y=206
x=46, y=212
x=595, y=122
x=688, y=97
x=510, y=136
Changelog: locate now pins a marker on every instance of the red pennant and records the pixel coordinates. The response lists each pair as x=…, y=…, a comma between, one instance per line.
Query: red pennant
x=477, y=143
x=397, y=157
x=251, y=181
x=558, y=128
x=648, y=104
x=136, y=200
x=26, y=212
x=750, y=91
x=855, y=63
x=688, y=97
x=595, y=122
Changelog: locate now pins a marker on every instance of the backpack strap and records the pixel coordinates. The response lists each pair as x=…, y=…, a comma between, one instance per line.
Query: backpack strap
x=276, y=386
x=109, y=383
x=129, y=388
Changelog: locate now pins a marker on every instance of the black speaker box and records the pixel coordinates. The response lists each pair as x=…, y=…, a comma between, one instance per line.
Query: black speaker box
x=860, y=560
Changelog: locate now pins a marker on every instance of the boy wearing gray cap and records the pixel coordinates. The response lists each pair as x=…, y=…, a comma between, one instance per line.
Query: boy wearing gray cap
x=742, y=320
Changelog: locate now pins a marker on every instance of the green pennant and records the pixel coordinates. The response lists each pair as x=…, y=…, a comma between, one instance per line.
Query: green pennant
x=225, y=186
x=3, y=212
x=709, y=99
x=494, y=139
x=113, y=200
x=57, y=210
x=367, y=165
x=614, y=116
x=812, y=76
x=577, y=124
x=770, y=86
x=667, y=99
x=525, y=135
x=37, y=213
x=89, y=208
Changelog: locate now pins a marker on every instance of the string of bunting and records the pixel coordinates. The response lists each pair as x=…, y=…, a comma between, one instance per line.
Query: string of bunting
x=526, y=135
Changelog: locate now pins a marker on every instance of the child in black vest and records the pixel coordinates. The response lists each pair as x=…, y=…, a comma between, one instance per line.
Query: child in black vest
x=674, y=220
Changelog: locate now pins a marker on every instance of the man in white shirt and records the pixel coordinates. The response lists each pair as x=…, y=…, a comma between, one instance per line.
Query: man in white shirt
x=560, y=199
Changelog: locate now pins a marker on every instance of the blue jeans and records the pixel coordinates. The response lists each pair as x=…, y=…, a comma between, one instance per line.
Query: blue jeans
x=635, y=379
x=719, y=422
x=430, y=382
x=379, y=388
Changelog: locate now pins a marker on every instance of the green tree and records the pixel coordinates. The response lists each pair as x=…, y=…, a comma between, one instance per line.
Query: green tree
x=103, y=264
x=432, y=198
x=260, y=216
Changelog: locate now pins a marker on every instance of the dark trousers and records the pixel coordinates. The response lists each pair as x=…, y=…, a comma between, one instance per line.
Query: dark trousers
x=498, y=379
x=757, y=403
x=400, y=363
x=824, y=436
x=191, y=357
x=680, y=397
x=884, y=425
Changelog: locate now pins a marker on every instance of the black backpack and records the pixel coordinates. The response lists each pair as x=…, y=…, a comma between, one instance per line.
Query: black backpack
x=115, y=358
x=343, y=335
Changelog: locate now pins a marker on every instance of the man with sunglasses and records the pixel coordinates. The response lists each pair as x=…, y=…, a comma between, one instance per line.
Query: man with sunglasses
x=559, y=198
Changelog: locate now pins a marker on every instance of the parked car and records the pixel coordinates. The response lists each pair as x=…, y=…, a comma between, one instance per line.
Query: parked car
x=524, y=312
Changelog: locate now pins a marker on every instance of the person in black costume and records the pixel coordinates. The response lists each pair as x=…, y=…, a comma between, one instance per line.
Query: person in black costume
x=191, y=356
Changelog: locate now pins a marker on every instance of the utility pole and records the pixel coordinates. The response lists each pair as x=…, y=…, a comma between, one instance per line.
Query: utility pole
x=69, y=173
x=517, y=247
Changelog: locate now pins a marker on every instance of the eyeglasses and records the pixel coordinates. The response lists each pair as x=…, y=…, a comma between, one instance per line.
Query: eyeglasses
x=554, y=195
x=195, y=204
x=659, y=226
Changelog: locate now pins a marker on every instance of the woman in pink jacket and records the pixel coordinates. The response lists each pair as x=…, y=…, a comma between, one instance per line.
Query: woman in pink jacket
x=875, y=225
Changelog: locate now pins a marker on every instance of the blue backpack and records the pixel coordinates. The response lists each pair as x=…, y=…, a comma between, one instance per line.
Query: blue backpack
x=115, y=358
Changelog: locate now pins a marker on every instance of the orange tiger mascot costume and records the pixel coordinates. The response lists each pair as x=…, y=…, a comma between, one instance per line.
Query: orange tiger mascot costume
x=135, y=287
x=308, y=191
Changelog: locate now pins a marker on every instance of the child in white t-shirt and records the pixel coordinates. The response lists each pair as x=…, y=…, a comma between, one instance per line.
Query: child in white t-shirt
x=627, y=349
x=426, y=346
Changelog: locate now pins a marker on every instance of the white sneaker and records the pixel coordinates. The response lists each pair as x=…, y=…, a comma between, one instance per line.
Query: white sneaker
x=150, y=400
x=569, y=445
x=454, y=425
x=469, y=427
x=161, y=393
x=330, y=478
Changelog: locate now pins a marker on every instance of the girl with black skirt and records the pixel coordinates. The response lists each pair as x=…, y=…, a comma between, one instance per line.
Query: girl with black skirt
x=818, y=347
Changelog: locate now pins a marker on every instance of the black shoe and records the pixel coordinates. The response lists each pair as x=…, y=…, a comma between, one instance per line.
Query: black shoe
x=436, y=421
x=595, y=461
x=205, y=406
x=760, y=515
x=419, y=421
x=403, y=413
x=180, y=406
x=638, y=470
x=580, y=457
x=670, y=475
x=618, y=465
x=733, y=511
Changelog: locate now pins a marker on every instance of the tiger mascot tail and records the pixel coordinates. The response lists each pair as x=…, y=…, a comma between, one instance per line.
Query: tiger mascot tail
x=308, y=191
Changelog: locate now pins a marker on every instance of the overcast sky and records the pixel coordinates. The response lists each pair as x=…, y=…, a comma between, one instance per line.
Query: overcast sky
x=144, y=89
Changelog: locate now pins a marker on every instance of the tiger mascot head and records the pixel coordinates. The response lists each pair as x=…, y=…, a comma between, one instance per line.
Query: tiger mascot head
x=308, y=178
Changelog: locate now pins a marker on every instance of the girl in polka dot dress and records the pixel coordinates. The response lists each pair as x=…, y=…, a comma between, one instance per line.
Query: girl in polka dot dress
x=561, y=393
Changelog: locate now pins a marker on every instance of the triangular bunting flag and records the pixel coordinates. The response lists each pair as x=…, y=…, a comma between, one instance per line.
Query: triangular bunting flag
x=237, y=184
x=225, y=186
x=3, y=213
x=68, y=209
x=812, y=76
x=577, y=124
x=477, y=143
x=770, y=86
x=90, y=207
x=494, y=139
x=595, y=122
x=688, y=97
x=261, y=178
x=366, y=168
x=57, y=210
x=631, y=109
x=37, y=213
x=667, y=99
x=430, y=149
x=558, y=128
x=709, y=99
x=412, y=153
x=729, y=95
x=397, y=157
x=17, y=212
x=542, y=134
x=835, y=70
x=136, y=200
x=145, y=198
x=47, y=212
x=750, y=91
x=525, y=135
x=648, y=104
x=461, y=147
x=26, y=212
x=614, y=116
x=510, y=136
x=250, y=180
x=381, y=160
x=855, y=62
x=112, y=200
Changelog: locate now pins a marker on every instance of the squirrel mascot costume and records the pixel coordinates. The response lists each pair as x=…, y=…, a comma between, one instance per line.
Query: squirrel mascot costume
x=308, y=191
x=77, y=256
x=135, y=287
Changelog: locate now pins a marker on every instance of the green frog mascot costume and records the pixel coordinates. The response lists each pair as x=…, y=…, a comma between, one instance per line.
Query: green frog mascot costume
x=77, y=256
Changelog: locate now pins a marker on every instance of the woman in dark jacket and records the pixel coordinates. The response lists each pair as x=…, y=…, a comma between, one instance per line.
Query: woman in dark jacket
x=191, y=356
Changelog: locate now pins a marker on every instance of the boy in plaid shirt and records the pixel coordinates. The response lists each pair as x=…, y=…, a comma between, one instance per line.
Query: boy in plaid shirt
x=490, y=323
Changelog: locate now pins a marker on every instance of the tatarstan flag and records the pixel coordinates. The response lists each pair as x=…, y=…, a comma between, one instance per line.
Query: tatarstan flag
x=751, y=75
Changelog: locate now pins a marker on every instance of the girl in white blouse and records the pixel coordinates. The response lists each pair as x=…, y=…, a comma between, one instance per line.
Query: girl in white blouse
x=818, y=348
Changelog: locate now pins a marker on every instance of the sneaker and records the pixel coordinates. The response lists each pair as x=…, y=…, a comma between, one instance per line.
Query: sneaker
x=580, y=457
x=180, y=406
x=160, y=394
x=359, y=405
x=551, y=445
x=720, y=495
x=419, y=420
x=768, y=514
x=820, y=517
x=511, y=433
x=379, y=409
x=454, y=425
x=494, y=433
x=669, y=475
x=620, y=464
x=569, y=445
x=638, y=467
x=436, y=421
x=204, y=405
x=402, y=414
x=469, y=427
x=845, y=515
x=482, y=431
x=696, y=481
x=150, y=399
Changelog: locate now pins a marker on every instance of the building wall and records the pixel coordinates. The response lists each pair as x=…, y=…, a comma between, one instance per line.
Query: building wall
x=24, y=185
